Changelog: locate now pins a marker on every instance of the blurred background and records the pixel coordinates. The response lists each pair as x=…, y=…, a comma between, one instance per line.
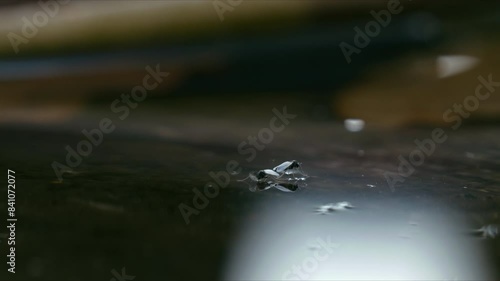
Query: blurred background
x=363, y=79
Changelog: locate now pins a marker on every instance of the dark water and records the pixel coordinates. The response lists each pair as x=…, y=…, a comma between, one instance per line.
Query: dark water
x=120, y=207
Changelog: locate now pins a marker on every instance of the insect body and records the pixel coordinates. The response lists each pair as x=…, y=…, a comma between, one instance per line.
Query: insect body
x=267, y=173
x=283, y=177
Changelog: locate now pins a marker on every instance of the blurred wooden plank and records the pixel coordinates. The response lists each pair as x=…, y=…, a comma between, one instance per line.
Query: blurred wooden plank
x=94, y=23
x=99, y=24
x=410, y=91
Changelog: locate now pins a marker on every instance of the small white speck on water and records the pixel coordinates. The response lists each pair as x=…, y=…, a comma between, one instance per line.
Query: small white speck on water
x=333, y=207
x=488, y=231
x=354, y=125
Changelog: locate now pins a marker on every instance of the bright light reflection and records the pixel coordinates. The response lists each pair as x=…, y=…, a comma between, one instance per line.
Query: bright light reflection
x=375, y=241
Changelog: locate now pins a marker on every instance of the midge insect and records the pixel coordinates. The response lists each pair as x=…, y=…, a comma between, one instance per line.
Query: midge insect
x=267, y=178
x=290, y=168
